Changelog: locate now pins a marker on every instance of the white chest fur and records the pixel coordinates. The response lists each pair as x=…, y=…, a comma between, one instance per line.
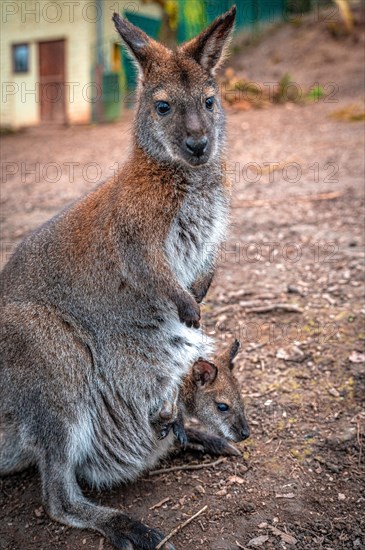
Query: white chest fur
x=196, y=234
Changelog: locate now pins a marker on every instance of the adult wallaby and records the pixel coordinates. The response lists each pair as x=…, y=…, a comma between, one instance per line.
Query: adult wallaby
x=209, y=392
x=100, y=312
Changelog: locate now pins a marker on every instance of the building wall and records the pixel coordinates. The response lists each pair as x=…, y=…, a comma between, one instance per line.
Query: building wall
x=32, y=21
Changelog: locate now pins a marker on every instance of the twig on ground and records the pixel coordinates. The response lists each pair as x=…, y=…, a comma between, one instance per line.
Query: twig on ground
x=187, y=467
x=179, y=527
x=159, y=504
x=272, y=307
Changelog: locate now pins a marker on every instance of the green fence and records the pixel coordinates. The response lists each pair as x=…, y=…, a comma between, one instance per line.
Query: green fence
x=112, y=94
x=194, y=15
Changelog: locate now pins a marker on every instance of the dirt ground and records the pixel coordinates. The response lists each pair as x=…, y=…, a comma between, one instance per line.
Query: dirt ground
x=290, y=285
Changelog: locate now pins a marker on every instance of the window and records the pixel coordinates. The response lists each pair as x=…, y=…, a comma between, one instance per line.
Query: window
x=20, y=58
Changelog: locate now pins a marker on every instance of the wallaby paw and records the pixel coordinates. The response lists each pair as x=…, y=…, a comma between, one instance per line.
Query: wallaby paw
x=190, y=314
x=164, y=431
x=211, y=444
x=199, y=295
x=180, y=433
x=219, y=446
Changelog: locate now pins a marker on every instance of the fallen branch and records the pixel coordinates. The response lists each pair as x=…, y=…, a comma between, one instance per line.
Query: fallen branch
x=180, y=527
x=304, y=198
x=272, y=307
x=187, y=467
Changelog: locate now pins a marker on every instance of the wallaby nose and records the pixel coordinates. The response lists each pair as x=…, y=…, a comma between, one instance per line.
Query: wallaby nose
x=245, y=433
x=196, y=146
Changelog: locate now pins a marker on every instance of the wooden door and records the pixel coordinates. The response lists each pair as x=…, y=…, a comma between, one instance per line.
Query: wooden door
x=52, y=81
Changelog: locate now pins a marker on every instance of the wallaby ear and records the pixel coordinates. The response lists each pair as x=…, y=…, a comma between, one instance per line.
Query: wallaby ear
x=139, y=43
x=204, y=372
x=210, y=46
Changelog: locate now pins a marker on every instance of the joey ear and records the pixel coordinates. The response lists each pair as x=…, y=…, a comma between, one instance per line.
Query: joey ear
x=226, y=358
x=204, y=372
x=138, y=42
x=233, y=351
x=209, y=47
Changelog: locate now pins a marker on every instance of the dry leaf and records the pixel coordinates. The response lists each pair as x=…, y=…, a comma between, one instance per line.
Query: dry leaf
x=258, y=541
x=236, y=479
x=289, y=539
x=200, y=489
x=284, y=536
x=356, y=357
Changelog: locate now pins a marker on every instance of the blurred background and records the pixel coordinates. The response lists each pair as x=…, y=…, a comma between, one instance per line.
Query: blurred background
x=62, y=62
x=290, y=282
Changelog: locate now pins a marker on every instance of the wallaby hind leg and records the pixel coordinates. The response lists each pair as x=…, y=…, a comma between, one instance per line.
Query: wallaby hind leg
x=13, y=457
x=65, y=503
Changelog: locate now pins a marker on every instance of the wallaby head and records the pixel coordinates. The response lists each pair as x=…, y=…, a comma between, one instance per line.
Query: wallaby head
x=218, y=403
x=180, y=118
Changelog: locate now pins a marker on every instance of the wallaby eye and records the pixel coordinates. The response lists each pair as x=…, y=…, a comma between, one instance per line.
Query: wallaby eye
x=209, y=103
x=162, y=107
x=223, y=407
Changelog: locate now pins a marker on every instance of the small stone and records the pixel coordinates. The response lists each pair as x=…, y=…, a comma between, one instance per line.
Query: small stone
x=341, y=496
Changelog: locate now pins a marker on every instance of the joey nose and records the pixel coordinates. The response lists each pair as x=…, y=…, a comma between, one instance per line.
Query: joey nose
x=195, y=146
x=245, y=433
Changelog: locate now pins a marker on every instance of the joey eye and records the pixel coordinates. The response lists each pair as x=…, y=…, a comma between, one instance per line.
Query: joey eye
x=209, y=103
x=223, y=407
x=162, y=107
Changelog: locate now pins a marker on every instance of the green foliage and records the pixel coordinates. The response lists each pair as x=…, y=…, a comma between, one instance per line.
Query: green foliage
x=286, y=92
x=315, y=94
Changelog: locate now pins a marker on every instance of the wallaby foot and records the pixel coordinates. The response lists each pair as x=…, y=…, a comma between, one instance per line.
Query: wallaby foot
x=208, y=443
x=65, y=503
x=127, y=534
